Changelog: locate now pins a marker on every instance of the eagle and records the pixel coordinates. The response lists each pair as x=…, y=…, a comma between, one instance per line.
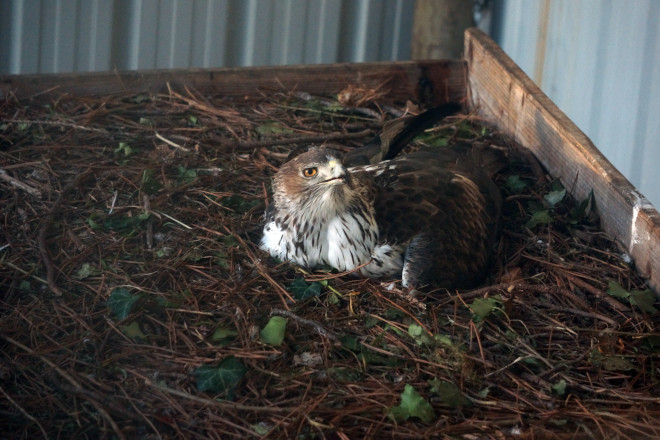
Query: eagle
x=427, y=217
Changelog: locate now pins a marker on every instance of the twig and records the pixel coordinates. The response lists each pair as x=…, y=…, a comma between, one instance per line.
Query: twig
x=171, y=143
x=72, y=381
x=18, y=184
x=43, y=247
x=308, y=322
x=25, y=413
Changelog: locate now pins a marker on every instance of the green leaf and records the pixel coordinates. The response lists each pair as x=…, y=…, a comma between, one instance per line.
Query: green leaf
x=515, y=184
x=238, y=203
x=412, y=405
x=554, y=197
x=559, y=388
x=644, y=299
x=124, y=148
x=121, y=302
x=542, y=217
x=222, y=379
x=449, y=393
x=186, y=175
x=482, y=307
x=303, y=290
x=273, y=332
x=420, y=336
x=86, y=271
x=133, y=330
x=579, y=212
x=149, y=183
x=223, y=335
x=614, y=289
x=273, y=127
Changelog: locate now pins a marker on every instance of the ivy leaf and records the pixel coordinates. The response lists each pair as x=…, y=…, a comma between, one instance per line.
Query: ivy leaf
x=121, y=302
x=644, y=299
x=273, y=332
x=412, y=405
x=186, y=175
x=86, y=271
x=554, y=197
x=515, y=184
x=223, y=335
x=222, y=379
x=541, y=217
x=579, y=212
x=272, y=127
x=449, y=393
x=420, y=336
x=482, y=307
x=303, y=290
x=559, y=388
x=133, y=331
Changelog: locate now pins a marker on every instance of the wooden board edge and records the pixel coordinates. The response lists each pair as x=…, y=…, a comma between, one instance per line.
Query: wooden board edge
x=434, y=81
x=504, y=94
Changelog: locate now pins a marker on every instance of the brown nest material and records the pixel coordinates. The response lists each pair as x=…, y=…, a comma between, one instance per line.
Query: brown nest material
x=135, y=303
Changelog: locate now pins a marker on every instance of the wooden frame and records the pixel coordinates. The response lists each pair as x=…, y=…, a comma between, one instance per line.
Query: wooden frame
x=505, y=95
x=487, y=77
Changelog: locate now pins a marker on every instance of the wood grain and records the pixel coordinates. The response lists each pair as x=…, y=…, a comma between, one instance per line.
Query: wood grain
x=504, y=94
x=433, y=82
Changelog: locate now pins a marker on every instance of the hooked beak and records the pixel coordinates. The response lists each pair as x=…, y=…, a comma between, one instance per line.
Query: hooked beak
x=338, y=173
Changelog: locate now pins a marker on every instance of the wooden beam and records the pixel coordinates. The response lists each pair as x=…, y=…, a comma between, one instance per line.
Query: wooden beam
x=503, y=93
x=432, y=82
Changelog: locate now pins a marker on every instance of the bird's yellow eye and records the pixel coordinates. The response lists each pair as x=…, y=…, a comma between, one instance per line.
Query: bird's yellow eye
x=310, y=172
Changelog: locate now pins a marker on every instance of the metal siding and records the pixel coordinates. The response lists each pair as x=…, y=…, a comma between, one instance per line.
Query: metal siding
x=599, y=61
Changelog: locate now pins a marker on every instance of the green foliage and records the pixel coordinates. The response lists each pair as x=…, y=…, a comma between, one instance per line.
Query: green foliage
x=223, y=335
x=420, y=335
x=186, y=175
x=133, y=331
x=515, y=184
x=554, y=197
x=238, y=204
x=643, y=299
x=272, y=127
x=273, y=332
x=541, y=217
x=559, y=388
x=579, y=211
x=149, y=183
x=302, y=290
x=86, y=270
x=121, y=302
x=124, y=149
x=449, y=393
x=482, y=307
x=222, y=379
x=412, y=405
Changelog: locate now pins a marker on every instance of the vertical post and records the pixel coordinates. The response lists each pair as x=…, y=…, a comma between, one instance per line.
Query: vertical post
x=438, y=28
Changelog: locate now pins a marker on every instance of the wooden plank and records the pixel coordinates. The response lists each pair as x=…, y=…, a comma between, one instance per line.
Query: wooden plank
x=432, y=82
x=504, y=94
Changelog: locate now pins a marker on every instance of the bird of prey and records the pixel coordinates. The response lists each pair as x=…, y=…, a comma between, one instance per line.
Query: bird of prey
x=428, y=217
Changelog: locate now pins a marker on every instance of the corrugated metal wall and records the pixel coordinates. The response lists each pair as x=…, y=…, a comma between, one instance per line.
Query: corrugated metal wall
x=41, y=36
x=599, y=61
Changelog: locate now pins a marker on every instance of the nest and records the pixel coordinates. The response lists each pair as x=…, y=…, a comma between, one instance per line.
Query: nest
x=136, y=303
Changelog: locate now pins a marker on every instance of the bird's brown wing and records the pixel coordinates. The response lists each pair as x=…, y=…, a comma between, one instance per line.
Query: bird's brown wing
x=397, y=134
x=446, y=204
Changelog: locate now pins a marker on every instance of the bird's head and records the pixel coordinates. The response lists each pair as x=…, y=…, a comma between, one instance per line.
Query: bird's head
x=317, y=179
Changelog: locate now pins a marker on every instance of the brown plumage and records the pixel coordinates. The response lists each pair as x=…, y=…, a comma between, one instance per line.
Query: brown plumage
x=427, y=217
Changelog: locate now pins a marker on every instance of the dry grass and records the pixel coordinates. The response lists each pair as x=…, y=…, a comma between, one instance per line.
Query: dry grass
x=158, y=199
